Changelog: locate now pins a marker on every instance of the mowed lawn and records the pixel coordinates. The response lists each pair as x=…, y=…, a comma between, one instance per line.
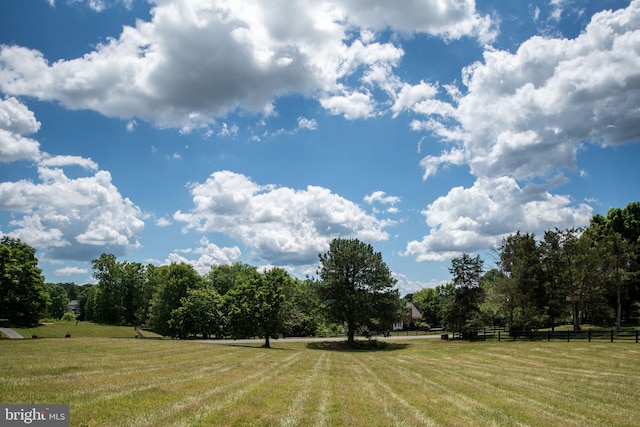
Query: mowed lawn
x=135, y=382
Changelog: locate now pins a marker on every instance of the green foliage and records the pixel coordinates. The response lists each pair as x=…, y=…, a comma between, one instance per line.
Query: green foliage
x=303, y=312
x=58, y=301
x=120, y=290
x=174, y=282
x=461, y=308
x=223, y=278
x=356, y=287
x=429, y=303
x=22, y=294
x=201, y=312
x=68, y=317
x=257, y=305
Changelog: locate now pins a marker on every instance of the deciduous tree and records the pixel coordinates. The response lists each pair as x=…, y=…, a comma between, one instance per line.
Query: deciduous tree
x=22, y=293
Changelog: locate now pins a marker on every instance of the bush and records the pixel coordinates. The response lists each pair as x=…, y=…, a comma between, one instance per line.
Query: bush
x=68, y=317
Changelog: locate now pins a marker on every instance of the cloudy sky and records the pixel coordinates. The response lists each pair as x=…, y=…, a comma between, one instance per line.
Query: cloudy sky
x=213, y=131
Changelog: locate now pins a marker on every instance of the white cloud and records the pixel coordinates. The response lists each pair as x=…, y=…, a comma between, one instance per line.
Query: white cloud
x=62, y=161
x=522, y=118
x=525, y=114
x=409, y=286
x=72, y=218
x=209, y=253
x=281, y=225
x=16, y=120
x=163, y=222
x=448, y=19
x=381, y=197
x=355, y=105
x=308, y=124
x=477, y=218
x=242, y=55
x=70, y=271
x=410, y=95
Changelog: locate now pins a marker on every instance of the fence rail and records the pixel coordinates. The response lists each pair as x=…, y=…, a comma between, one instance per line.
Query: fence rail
x=588, y=335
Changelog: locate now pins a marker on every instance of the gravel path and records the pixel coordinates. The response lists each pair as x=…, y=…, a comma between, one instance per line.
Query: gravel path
x=11, y=334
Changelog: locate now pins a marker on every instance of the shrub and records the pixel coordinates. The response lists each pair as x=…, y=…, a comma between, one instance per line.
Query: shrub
x=68, y=317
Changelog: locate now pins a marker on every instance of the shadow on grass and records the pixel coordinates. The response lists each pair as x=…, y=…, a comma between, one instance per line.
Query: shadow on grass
x=256, y=346
x=372, y=345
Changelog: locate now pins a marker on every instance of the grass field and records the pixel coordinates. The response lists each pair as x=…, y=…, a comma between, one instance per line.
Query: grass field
x=81, y=329
x=131, y=382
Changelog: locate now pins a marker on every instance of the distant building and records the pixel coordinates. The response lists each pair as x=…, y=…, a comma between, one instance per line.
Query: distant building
x=74, y=307
x=410, y=315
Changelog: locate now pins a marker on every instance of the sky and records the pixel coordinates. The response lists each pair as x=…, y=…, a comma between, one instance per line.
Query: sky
x=211, y=132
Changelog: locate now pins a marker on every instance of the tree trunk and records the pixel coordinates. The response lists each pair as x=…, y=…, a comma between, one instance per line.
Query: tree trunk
x=351, y=332
x=619, y=301
x=576, y=316
x=266, y=341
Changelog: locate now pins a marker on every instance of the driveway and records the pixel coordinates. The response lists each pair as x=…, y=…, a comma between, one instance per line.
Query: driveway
x=11, y=334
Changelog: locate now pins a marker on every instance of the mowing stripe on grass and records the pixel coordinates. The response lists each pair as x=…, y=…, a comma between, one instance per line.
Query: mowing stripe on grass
x=193, y=407
x=295, y=409
x=418, y=417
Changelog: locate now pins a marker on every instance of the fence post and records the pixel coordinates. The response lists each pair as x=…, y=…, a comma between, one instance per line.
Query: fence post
x=636, y=336
x=568, y=336
x=612, y=335
x=589, y=335
x=549, y=336
x=500, y=337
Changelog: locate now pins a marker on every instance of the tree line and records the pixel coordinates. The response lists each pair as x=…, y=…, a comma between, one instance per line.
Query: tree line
x=355, y=290
x=568, y=276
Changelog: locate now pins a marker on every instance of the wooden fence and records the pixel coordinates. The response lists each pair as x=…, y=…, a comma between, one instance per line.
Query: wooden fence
x=586, y=335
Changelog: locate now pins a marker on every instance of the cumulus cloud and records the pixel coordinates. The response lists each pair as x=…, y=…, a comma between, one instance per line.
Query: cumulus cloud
x=354, y=105
x=62, y=161
x=72, y=218
x=16, y=121
x=281, y=225
x=525, y=114
x=70, y=271
x=382, y=198
x=241, y=55
x=521, y=118
x=208, y=255
x=477, y=218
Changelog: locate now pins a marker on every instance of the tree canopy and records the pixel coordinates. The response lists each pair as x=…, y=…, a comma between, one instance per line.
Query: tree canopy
x=356, y=287
x=22, y=293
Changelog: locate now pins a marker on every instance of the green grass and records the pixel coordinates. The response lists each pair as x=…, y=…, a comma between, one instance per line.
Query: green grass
x=419, y=382
x=80, y=330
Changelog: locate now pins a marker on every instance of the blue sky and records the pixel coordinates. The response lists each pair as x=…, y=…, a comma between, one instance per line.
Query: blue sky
x=211, y=132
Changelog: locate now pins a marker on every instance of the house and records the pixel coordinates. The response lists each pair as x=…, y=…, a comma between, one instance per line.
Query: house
x=410, y=315
x=74, y=307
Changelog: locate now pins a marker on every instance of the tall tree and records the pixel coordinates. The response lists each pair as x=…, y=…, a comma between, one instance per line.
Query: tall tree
x=58, y=301
x=22, y=293
x=553, y=274
x=175, y=282
x=520, y=262
x=429, y=302
x=225, y=277
x=201, y=312
x=357, y=287
x=462, y=314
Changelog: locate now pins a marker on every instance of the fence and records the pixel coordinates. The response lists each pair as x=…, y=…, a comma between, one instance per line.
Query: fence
x=588, y=335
